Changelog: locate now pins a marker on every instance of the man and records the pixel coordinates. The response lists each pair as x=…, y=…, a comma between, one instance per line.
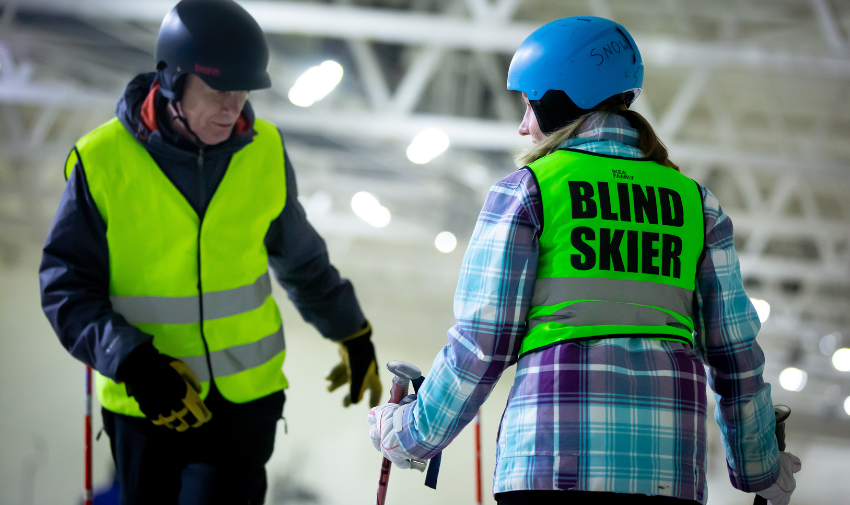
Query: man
x=155, y=271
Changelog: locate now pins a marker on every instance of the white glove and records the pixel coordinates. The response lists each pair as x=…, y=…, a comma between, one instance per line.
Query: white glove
x=780, y=492
x=385, y=421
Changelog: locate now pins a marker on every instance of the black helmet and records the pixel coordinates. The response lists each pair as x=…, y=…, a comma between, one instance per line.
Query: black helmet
x=218, y=41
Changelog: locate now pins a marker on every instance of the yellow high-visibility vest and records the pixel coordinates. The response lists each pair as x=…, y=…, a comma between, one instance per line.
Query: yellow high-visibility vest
x=200, y=286
x=618, y=253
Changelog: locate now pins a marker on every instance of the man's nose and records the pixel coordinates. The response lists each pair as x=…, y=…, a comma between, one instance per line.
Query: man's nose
x=230, y=103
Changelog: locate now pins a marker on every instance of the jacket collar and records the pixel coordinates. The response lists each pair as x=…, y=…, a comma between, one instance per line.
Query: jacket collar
x=143, y=112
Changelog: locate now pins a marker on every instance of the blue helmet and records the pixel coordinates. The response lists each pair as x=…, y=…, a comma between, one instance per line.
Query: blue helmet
x=569, y=66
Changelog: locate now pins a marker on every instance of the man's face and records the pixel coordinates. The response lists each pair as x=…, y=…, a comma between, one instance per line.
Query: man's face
x=211, y=114
x=529, y=125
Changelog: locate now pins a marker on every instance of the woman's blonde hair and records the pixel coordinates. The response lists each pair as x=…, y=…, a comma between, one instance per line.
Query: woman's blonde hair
x=648, y=141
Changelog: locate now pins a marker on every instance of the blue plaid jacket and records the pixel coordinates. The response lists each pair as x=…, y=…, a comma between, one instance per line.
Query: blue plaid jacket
x=624, y=415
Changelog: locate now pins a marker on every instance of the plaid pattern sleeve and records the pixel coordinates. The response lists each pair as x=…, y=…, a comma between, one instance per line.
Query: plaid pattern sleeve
x=493, y=295
x=727, y=325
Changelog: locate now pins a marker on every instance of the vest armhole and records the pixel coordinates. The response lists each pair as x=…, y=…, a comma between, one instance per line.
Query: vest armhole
x=702, y=206
x=282, y=153
x=539, y=194
x=274, y=127
x=71, y=161
x=696, y=316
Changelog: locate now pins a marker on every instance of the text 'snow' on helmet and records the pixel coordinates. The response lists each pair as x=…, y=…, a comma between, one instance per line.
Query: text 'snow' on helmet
x=569, y=66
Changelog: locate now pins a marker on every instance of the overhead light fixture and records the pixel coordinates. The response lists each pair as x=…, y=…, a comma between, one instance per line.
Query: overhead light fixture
x=832, y=395
x=762, y=308
x=427, y=145
x=847, y=405
x=315, y=83
x=793, y=379
x=317, y=205
x=369, y=209
x=841, y=360
x=445, y=242
x=828, y=343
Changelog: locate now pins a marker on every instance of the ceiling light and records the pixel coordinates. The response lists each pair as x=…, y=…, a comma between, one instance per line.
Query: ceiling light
x=841, y=360
x=847, y=405
x=827, y=344
x=380, y=217
x=315, y=83
x=427, y=145
x=762, y=307
x=319, y=204
x=445, y=242
x=793, y=379
x=832, y=395
x=369, y=209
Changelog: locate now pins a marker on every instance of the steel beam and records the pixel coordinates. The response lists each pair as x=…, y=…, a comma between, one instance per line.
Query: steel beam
x=30, y=93
x=346, y=22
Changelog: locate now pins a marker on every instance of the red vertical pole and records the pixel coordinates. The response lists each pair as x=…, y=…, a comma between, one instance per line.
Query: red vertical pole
x=478, y=482
x=88, y=496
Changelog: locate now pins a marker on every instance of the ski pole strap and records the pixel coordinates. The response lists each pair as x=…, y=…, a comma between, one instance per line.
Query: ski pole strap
x=433, y=471
x=434, y=465
x=417, y=382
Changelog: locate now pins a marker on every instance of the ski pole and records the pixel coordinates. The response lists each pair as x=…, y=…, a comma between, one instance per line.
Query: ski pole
x=88, y=493
x=403, y=373
x=781, y=412
x=477, y=421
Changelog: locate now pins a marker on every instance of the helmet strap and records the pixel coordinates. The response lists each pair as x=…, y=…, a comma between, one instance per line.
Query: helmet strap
x=179, y=116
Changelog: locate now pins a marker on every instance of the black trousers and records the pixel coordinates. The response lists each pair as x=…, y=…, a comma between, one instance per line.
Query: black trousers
x=585, y=497
x=221, y=462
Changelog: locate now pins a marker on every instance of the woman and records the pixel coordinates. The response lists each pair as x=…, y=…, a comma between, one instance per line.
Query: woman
x=611, y=280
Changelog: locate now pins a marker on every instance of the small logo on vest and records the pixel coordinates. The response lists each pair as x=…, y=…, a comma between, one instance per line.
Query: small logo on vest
x=200, y=69
x=621, y=174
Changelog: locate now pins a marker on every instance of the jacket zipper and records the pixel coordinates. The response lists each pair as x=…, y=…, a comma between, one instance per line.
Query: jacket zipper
x=200, y=286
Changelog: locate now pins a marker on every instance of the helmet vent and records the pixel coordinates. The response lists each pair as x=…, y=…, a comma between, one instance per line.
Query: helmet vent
x=582, y=19
x=634, y=55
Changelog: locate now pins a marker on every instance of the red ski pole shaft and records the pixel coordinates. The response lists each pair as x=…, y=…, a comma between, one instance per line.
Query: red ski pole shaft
x=397, y=393
x=89, y=495
x=478, y=482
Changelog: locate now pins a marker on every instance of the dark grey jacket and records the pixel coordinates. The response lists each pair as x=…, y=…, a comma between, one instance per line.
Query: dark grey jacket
x=74, y=271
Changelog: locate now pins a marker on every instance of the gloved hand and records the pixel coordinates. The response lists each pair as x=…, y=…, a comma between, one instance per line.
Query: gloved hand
x=165, y=388
x=780, y=492
x=385, y=421
x=358, y=369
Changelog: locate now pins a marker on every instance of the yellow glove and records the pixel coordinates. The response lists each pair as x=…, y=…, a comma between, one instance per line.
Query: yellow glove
x=358, y=368
x=192, y=403
x=165, y=389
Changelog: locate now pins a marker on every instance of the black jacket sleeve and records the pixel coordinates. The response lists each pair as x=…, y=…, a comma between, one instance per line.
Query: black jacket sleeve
x=299, y=258
x=74, y=278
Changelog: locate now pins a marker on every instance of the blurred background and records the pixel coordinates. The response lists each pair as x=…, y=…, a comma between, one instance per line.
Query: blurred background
x=397, y=121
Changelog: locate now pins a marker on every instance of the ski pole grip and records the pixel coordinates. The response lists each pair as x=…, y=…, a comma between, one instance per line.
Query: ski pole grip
x=403, y=373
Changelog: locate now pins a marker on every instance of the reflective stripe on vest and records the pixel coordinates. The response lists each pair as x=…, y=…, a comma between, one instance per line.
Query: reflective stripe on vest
x=187, y=309
x=618, y=253
x=605, y=300
x=200, y=286
x=238, y=358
